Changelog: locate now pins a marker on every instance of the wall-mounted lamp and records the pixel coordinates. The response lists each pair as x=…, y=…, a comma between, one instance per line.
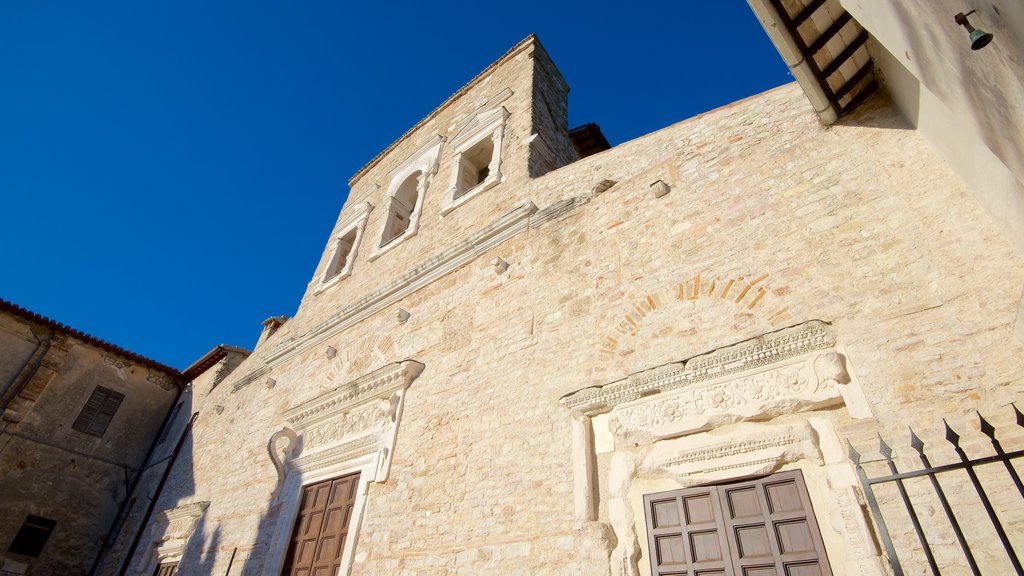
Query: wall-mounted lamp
x=979, y=38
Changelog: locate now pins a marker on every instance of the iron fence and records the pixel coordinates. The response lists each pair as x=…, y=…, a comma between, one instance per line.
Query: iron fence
x=931, y=472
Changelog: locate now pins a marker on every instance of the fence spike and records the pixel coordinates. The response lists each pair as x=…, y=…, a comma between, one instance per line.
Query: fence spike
x=854, y=455
x=986, y=428
x=951, y=436
x=916, y=442
x=1020, y=417
x=884, y=448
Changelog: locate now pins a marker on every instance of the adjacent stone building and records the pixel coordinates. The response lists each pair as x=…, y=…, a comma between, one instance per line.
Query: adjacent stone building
x=525, y=352
x=78, y=417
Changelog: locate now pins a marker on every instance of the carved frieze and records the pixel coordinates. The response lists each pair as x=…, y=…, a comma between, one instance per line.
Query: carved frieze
x=357, y=421
x=745, y=451
x=792, y=387
x=370, y=418
x=747, y=356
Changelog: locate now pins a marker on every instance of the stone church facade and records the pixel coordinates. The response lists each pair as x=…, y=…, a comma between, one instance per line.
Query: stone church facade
x=520, y=354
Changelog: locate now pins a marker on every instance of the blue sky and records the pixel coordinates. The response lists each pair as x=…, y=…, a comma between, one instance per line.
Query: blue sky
x=170, y=171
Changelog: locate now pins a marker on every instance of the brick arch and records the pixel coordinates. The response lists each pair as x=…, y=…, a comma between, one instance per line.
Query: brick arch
x=358, y=358
x=747, y=293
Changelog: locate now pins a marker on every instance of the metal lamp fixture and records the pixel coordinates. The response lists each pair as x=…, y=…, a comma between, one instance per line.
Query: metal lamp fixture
x=979, y=38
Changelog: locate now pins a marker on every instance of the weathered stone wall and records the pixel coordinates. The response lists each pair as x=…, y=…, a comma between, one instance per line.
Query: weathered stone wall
x=771, y=221
x=50, y=470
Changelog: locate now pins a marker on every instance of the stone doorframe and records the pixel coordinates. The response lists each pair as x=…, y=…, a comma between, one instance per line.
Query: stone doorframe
x=352, y=428
x=729, y=414
x=175, y=527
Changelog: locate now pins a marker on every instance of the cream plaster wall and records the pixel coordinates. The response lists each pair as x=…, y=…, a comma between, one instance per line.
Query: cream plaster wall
x=968, y=104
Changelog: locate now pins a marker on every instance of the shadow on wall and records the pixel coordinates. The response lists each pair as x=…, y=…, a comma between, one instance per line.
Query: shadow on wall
x=255, y=563
x=987, y=82
x=876, y=112
x=169, y=471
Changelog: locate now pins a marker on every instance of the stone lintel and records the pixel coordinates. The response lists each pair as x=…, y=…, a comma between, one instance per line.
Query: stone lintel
x=377, y=385
x=747, y=356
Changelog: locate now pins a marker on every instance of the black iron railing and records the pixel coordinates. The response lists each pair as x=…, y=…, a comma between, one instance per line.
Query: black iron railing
x=966, y=464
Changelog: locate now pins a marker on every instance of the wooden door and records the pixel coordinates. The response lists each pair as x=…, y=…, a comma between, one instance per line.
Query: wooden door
x=760, y=527
x=321, y=528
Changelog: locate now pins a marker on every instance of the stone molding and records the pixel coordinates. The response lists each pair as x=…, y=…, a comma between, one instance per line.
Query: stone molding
x=757, y=450
x=345, y=425
x=746, y=356
x=179, y=525
x=353, y=450
x=377, y=385
x=505, y=227
x=250, y=377
x=792, y=387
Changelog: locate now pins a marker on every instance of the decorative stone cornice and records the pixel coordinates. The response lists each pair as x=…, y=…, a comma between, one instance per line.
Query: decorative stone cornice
x=733, y=360
x=505, y=227
x=193, y=510
x=354, y=425
x=380, y=384
x=249, y=378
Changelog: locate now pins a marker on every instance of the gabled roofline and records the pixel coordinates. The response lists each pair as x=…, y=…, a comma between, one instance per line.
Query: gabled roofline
x=39, y=319
x=209, y=359
x=522, y=45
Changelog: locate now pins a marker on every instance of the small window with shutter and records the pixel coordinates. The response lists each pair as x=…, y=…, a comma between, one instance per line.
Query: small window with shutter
x=32, y=536
x=98, y=411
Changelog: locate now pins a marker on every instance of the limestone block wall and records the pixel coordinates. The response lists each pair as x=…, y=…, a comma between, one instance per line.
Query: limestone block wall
x=518, y=81
x=770, y=221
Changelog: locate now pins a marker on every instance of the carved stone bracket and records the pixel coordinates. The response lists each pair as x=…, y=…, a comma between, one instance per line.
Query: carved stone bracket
x=280, y=460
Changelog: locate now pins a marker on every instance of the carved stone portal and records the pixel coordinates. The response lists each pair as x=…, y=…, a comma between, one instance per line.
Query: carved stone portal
x=705, y=420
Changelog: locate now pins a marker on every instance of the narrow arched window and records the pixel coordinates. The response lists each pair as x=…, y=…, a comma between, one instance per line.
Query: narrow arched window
x=401, y=208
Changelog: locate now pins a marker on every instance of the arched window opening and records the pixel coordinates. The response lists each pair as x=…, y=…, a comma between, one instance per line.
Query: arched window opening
x=403, y=203
x=341, y=254
x=475, y=166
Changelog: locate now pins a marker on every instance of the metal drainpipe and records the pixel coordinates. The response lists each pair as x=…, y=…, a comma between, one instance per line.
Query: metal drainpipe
x=108, y=539
x=791, y=55
x=28, y=370
x=156, y=495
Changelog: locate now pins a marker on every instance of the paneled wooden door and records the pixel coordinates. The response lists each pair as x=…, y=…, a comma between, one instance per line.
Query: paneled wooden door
x=761, y=527
x=321, y=528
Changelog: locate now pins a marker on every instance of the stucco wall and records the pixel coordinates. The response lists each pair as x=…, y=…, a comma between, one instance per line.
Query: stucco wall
x=50, y=470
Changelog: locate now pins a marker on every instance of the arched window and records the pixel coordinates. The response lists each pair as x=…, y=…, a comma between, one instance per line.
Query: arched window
x=401, y=208
x=344, y=247
x=404, y=200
